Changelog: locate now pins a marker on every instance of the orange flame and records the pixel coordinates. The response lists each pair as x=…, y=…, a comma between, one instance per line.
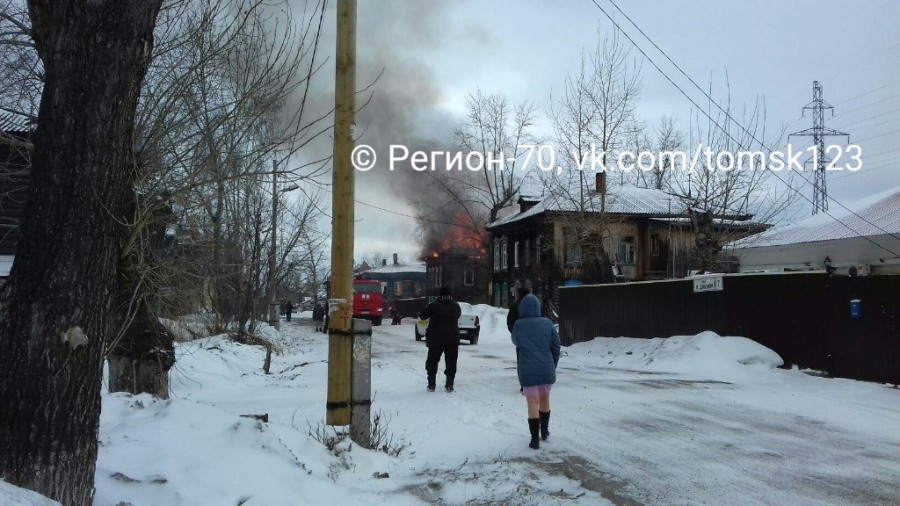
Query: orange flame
x=464, y=234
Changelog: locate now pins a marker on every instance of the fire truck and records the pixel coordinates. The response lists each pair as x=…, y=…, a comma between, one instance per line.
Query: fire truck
x=368, y=300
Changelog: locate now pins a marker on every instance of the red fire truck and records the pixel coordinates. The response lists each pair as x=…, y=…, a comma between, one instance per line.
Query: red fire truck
x=368, y=300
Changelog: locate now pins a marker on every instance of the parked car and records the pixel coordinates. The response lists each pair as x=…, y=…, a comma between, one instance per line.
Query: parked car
x=469, y=325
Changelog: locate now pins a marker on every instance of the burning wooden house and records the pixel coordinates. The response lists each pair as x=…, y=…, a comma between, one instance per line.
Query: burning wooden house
x=458, y=258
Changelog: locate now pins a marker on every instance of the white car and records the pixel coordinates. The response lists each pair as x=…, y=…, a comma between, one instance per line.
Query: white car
x=469, y=325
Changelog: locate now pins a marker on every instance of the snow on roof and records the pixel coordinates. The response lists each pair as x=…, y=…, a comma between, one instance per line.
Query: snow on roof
x=391, y=268
x=623, y=200
x=877, y=214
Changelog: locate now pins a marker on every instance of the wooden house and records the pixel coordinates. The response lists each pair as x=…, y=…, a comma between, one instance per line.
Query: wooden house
x=616, y=235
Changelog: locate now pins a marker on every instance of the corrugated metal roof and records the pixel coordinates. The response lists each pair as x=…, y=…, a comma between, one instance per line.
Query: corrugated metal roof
x=12, y=122
x=875, y=215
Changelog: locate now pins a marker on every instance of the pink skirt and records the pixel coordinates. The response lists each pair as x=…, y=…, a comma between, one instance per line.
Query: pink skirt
x=536, y=390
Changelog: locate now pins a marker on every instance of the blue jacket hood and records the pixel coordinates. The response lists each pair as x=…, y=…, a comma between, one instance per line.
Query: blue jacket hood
x=529, y=306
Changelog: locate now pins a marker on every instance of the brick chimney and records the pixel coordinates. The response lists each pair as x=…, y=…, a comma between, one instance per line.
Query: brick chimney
x=395, y=259
x=601, y=182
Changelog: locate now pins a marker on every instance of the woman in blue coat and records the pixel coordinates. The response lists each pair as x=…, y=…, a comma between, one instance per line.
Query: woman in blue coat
x=538, y=344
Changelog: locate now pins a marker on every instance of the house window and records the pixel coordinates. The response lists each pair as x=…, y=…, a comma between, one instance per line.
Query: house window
x=527, y=252
x=516, y=254
x=573, y=249
x=654, y=245
x=469, y=277
x=398, y=288
x=626, y=251
x=500, y=255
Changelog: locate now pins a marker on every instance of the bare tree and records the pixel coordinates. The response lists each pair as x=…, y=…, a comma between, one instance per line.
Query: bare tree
x=21, y=71
x=593, y=119
x=213, y=114
x=724, y=191
x=613, y=90
x=312, y=261
x=494, y=127
x=56, y=317
x=215, y=107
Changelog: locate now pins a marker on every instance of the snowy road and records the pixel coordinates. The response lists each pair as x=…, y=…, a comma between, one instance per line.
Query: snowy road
x=687, y=420
x=638, y=436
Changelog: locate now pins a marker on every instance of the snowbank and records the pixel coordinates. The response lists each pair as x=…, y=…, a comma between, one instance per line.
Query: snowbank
x=706, y=354
x=11, y=495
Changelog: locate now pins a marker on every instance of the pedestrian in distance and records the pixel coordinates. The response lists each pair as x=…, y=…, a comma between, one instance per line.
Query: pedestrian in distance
x=538, y=344
x=396, y=318
x=318, y=315
x=513, y=315
x=288, y=310
x=325, y=322
x=442, y=337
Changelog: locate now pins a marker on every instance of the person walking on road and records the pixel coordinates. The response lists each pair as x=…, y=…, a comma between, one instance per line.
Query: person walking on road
x=318, y=316
x=539, y=349
x=442, y=337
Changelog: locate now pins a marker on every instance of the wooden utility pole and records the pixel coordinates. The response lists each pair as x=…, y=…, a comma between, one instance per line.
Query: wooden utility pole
x=270, y=299
x=340, y=307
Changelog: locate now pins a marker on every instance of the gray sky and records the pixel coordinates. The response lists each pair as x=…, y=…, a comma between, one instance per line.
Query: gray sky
x=434, y=53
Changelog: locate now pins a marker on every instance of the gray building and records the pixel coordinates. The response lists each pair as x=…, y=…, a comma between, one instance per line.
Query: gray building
x=860, y=240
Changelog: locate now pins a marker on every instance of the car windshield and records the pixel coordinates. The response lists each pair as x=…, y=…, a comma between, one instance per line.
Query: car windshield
x=465, y=307
x=367, y=287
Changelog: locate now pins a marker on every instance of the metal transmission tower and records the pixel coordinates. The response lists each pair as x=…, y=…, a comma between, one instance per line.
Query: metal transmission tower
x=818, y=132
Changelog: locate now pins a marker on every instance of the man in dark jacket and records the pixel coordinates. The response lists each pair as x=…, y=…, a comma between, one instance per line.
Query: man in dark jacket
x=513, y=315
x=288, y=310
x=442, y=337
x=318, y=315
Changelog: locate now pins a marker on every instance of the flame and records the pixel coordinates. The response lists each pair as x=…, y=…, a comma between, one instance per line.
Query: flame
x=464, y=234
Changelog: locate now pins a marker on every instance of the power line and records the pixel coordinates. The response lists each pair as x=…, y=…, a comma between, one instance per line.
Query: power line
x=322, y=186
x=725, y=131
x=888, y=85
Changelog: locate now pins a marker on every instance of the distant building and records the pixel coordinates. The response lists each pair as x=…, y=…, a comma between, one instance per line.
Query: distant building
x=860, y=240
x=464, y=270
x=399, y=280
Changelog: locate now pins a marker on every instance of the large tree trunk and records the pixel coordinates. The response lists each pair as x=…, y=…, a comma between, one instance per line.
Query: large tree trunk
x=143, y=352
x=95, y=55
x=140, y=361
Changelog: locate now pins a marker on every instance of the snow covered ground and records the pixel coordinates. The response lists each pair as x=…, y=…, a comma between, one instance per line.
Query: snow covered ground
x=687, y=420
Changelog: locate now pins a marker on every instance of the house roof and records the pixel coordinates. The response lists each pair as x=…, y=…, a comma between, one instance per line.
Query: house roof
x=623, y=200
x=398, y=268
x=12, y=122
x=877, y=214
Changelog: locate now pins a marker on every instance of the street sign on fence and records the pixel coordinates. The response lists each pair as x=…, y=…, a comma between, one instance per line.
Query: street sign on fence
x=708, y=284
